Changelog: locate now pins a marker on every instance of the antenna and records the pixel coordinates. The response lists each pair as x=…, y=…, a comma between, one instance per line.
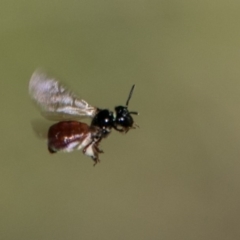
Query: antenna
x=129, y=97
x=130, y=94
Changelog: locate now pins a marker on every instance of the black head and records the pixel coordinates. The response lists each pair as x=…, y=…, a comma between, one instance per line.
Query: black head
x=123, y=118
x=105, y=120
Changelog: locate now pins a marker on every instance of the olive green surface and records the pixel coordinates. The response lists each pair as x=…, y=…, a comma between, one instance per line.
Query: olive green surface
x=175, y=177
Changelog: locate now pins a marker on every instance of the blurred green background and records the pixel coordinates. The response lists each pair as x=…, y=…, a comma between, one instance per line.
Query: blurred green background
x=177, y=177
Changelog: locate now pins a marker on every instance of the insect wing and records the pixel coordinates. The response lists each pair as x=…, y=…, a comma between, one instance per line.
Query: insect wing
x=55, y=100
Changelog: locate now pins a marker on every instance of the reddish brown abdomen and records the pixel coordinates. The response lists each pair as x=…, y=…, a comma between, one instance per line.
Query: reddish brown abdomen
x=62, y=134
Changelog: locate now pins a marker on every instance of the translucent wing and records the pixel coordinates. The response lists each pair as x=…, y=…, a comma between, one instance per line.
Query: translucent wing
x=55, y=100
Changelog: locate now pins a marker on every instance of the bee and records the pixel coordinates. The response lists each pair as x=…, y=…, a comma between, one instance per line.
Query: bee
x=58, y=103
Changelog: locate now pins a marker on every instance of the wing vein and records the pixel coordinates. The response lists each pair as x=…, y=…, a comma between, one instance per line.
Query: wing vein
x=55, y=101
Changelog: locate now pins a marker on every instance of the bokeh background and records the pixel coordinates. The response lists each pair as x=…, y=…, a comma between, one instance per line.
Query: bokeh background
x=178, y=175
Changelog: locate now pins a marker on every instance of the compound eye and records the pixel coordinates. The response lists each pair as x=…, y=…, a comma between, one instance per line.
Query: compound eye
x=125, y=121
x=122, y=119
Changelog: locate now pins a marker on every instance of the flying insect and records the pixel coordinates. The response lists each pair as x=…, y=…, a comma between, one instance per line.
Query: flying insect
x=58, y=103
